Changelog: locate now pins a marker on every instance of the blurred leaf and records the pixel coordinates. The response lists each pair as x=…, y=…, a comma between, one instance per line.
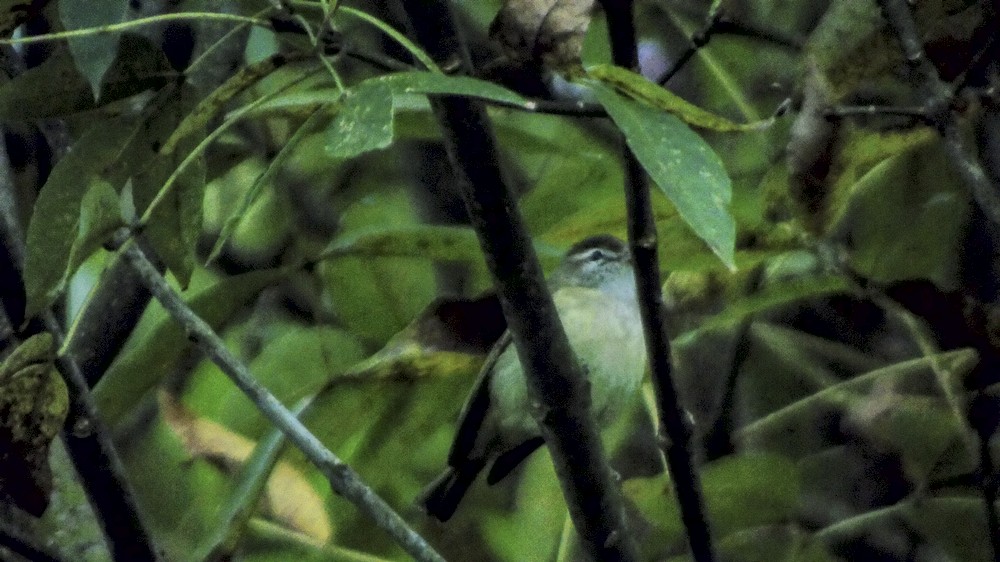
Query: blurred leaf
x=55, y=222
x=773, y=542
x=779, y=428
x=886, y=220
x=921, y=430
x=740, y=492
x=290, y=499
x=33, y=406
x=294, y=363
x=144, y=363
x=55, y=87
x=956, y=524
x=93, y=53
x=266, y=542
x=547, y=33
x=682, y=165
x=772, y=296
x=638, y=88
x=363, y=123
x=375, y=297
x=264, y=179
x=252, y=482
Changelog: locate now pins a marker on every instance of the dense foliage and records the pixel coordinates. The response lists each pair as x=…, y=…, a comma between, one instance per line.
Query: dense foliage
x=825, y=196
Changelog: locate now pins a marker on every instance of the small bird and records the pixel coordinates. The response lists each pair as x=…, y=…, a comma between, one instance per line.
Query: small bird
x=594, y=292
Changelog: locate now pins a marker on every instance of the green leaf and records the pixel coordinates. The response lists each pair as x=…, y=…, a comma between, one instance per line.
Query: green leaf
x=888, y=219
x=93, y=53
x=740, y=492
x=432, y=83
x=364, y=122
x=144, y=363
x=375, y=297
x=265, y=179
x=638, y=88
x=685, y=168
x=100, y=215
x=54, y=225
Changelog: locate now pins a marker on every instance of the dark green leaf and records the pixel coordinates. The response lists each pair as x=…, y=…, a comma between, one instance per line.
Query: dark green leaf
x=55, y=88
x=54, y=223
x=175, y=224
x=685, y=168
x=93, y=53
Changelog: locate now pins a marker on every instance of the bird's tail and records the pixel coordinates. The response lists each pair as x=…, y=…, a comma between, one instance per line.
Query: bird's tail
x=441, y=497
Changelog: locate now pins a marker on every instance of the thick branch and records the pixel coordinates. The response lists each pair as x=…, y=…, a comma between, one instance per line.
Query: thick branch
x=675, y=430
x=555, y=380
x=343, y=479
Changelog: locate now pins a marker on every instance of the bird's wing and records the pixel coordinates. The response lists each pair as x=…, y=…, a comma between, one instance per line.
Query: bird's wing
x=470, y=420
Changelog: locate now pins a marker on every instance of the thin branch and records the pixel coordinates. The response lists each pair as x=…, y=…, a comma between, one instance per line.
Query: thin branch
x=554, y=378
x=937, y=97
x=675, y=429
x=87, y=440
x=343, y=479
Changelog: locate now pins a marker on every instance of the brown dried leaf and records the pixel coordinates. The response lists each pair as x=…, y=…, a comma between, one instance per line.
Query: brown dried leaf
x=290, y=501
x=546, y=33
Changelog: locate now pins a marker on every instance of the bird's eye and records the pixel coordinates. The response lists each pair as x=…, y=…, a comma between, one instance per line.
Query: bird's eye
x=597, y=255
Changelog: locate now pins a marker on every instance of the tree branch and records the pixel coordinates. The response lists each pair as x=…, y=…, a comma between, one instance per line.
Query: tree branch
x=555, y=381
x=343, y=479
x=674, y=430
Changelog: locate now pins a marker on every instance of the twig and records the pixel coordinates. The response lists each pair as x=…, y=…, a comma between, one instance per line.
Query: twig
x=343, y=479
x=937, y=98
x=555, y=381
x=675, y=430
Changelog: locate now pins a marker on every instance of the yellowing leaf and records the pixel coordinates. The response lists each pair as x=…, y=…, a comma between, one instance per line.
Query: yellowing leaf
x=290, y=500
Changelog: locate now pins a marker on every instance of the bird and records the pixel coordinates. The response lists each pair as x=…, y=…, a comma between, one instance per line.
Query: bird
x=594, y=292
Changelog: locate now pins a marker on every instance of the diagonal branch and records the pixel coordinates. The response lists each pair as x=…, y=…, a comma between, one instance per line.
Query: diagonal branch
x=675, y=429
x=343, y=479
